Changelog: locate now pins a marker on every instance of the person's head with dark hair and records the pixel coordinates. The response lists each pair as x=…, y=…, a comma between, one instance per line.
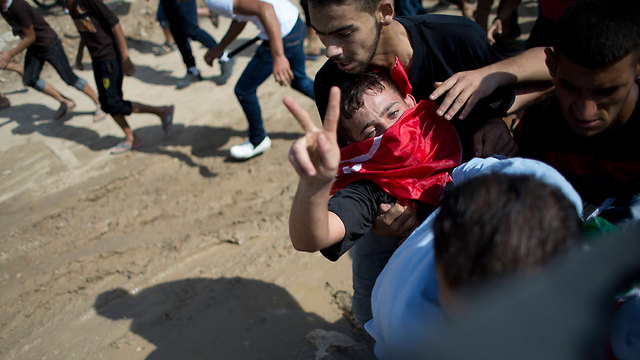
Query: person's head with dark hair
x=351, y=30
x=369, y=105
x=595, y=61
x=598, y=33
x=499, y=224
x=368, y=6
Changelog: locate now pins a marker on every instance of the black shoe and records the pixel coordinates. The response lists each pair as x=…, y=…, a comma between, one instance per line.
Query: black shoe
x=226, y=68
x=187, y=80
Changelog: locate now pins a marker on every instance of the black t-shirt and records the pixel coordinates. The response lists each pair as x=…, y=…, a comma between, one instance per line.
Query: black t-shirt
x=21, y=15
x=95, y=23
x=357, y=206
x=442, y=46
x=603, y=166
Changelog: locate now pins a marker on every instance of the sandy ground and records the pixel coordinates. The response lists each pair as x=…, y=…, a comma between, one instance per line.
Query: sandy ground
x=169, y=252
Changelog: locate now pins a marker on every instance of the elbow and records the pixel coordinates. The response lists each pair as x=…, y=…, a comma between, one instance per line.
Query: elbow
x=303, y=243
x=304, y=247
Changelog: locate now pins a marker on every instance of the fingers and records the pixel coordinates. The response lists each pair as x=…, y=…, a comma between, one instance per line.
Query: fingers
x=383, y=208
x=398, y=221
x=332, y=114
x=496, y=28
x=300, y=159
x=494, y=138
x=471, y=102
x=455, y=99
x=300, y=114
x=442, y=87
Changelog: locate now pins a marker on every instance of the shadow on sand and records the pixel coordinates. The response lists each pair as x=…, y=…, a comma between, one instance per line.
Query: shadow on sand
x=204, y=141
x=225, y=318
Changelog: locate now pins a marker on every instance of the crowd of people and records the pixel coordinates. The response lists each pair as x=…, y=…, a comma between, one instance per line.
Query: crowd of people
x=579, y=94
x=415, y=170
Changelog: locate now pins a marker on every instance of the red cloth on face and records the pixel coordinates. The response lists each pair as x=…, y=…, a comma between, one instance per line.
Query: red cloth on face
x=411, y=160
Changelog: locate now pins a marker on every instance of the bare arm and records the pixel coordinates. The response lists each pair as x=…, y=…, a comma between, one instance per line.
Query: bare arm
x=121, y=43
x=468, y=87
x=234, y=30
x=505, y=10
x=25, y=42
x=264, y=11
x=315, y=158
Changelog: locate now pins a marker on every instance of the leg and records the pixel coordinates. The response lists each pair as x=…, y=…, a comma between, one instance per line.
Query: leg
x=189, y=14
x=169, y=44
x=56, y=57
x=171, y=11
x=31, y=77
x=256, y=72
x=293, y=50
x=165, y=113
x=4, y=101
x=370, y=255
x=19, y=68
x=482, y=13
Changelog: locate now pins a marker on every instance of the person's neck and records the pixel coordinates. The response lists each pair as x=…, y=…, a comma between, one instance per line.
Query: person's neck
x=394, y=41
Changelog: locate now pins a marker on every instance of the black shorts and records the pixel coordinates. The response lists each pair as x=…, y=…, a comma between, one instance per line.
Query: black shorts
x=108, y=75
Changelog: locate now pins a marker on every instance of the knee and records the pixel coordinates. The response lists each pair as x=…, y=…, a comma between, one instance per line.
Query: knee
x=241, y=92
x=37, y=84
x=79, y=83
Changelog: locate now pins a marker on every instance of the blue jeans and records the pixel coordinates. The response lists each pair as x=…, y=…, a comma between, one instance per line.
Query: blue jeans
x=369, y=257
x=183, y=23
x=260, y=68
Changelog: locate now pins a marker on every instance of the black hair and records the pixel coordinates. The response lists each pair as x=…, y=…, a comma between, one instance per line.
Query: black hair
x=352, y=95
x=368, y=6
x=500, y=224
x=597, y=33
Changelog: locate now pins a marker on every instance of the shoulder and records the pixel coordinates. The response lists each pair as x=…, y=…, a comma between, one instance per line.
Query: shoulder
x=20, y=7
x=441, y=25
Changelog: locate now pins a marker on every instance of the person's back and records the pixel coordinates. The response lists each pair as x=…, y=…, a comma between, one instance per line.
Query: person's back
x=501, y=217
x=588, y=129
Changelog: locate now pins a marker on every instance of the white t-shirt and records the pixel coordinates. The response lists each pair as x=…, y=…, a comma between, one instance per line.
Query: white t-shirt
x=286, y=12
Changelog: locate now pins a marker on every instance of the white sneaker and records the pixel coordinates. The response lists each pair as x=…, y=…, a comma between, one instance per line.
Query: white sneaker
x=247, y=150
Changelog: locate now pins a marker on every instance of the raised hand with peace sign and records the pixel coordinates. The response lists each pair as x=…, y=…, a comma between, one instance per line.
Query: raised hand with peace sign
x=315, y=157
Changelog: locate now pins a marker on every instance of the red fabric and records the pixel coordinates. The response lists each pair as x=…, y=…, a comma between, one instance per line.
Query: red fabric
x=411, y=160
x=400, y=78
x=553, y=9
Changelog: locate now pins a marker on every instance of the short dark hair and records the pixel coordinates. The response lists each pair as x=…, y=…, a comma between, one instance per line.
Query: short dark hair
x=368, y=6
x=597, y=33
x=499, y=224
x=352, y=94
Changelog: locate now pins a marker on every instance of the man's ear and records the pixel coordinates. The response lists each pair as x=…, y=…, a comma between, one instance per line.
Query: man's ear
x=550, y=60
x=385, y=11
x=410, y=100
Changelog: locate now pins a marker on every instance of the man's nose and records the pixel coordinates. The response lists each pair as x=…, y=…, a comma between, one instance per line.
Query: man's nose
x=586, y=108
x=333, y=48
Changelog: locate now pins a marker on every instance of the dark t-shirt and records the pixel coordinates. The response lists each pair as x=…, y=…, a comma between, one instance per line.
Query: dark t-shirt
x=442, y=46
x=603, y=166
x=21, y=15
x=357, y=206
x=95, y=22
